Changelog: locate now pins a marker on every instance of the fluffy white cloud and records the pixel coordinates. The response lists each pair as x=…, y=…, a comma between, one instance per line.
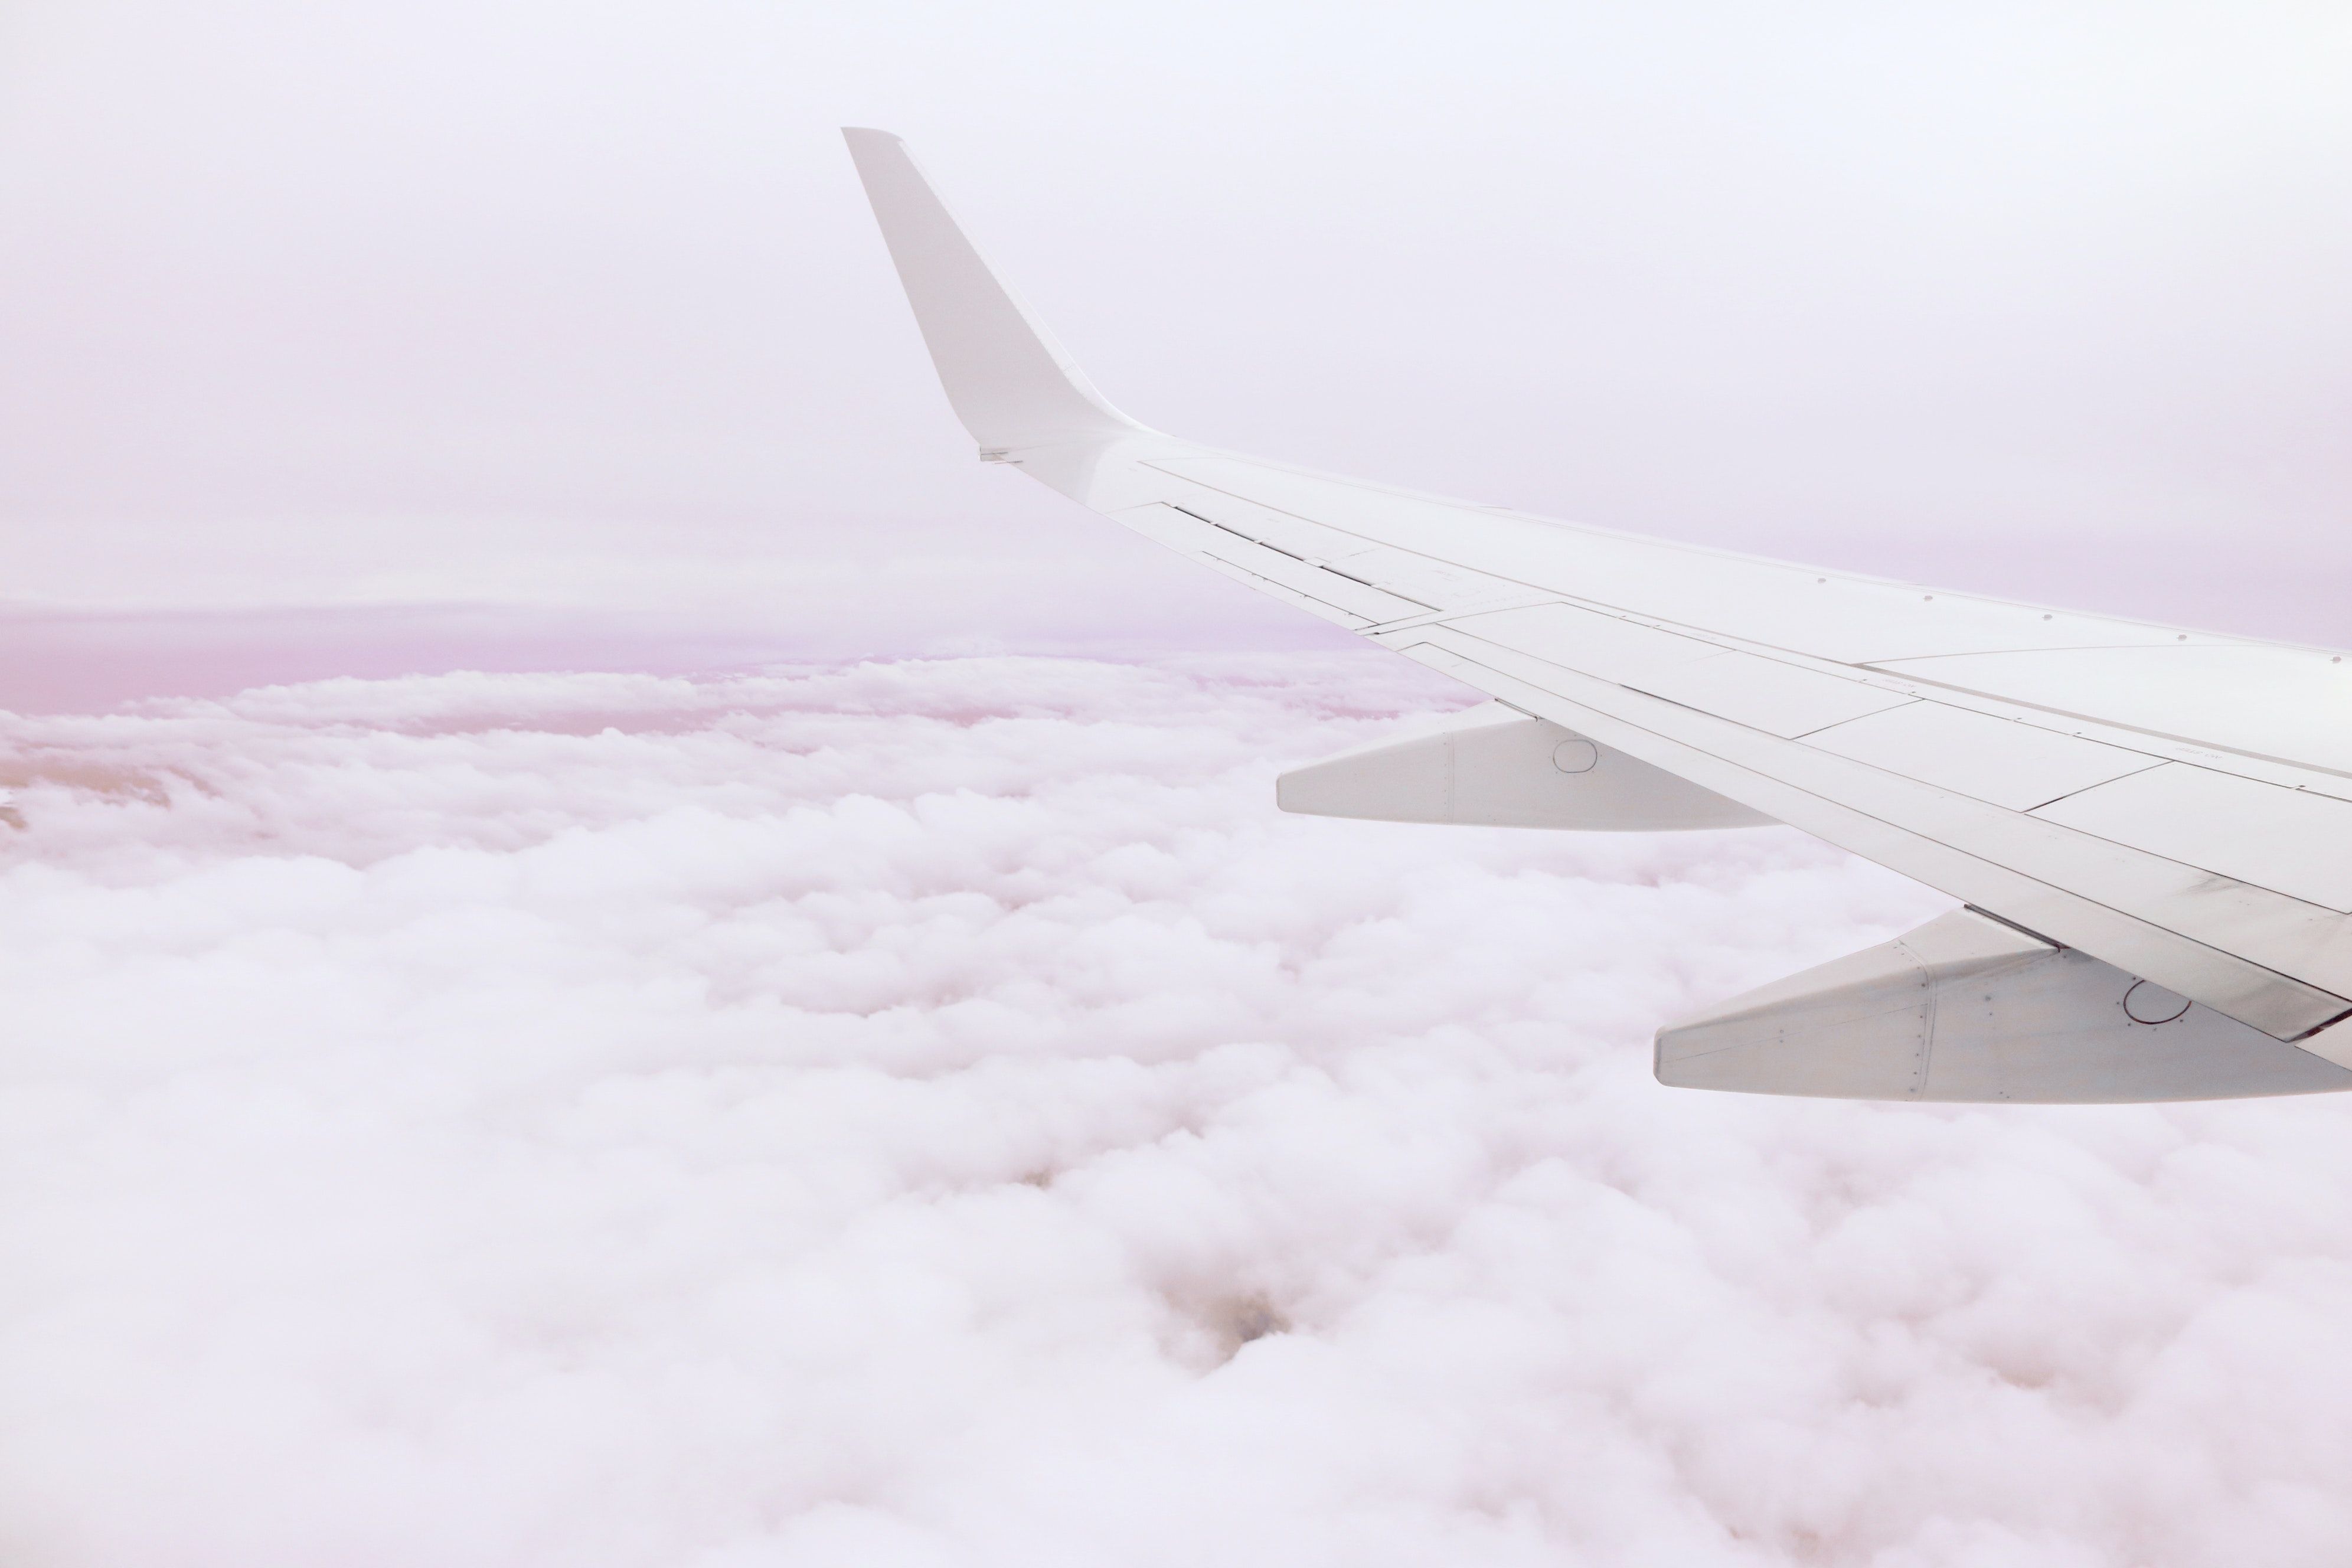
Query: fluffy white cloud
x=940, y=1113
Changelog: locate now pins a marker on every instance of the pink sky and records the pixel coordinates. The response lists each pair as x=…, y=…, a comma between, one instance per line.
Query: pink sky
x=574, y=314
x=616, y=955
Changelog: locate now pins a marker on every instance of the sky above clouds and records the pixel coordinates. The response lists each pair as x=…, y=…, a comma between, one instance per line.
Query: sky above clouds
x=574, y=314
x=616, y=956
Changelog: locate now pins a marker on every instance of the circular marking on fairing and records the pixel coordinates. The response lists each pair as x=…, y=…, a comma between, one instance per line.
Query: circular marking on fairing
x=2149, y=1004
x=1575, y=756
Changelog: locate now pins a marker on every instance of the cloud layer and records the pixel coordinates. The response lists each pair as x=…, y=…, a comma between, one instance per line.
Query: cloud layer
x=940, y=1113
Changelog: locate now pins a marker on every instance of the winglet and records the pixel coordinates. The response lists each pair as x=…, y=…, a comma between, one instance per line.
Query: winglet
x=1011, y=384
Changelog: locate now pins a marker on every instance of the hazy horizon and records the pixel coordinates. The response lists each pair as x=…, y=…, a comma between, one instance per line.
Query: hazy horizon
x=574, y=319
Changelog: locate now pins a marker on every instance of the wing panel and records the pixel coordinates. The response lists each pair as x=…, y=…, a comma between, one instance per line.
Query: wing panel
x=2259, y=956
x=1778, y=698
x=2276, y=962
x=1834, y=616
x=2010, y=764
x=2290, y=704
x=1307, y=541
x=1766, y=694
x=1609, y=646
x=1227, y=553
x=1430, y=583
x=2291, y=841
x=1374, y=604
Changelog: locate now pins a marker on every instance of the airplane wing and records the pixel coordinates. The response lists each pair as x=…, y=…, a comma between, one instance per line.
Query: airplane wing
x=2150, y=827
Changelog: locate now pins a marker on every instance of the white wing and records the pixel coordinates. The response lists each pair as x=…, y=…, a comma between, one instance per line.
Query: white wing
x=2133, y=805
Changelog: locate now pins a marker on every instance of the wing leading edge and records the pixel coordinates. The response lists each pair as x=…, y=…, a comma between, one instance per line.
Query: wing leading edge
x=2173, y=806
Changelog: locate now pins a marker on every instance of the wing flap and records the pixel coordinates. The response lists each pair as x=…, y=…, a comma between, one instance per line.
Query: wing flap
x=1776, y=697
x=2292, y=841
x=2003, y=760
x=2176, y=925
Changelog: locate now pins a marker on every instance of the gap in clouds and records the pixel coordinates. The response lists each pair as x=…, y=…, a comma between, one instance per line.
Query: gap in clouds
x=939, y=1112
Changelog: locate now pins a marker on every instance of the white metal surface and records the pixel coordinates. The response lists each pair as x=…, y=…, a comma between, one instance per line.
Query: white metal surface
x=1830, y=615
x=1966, y=1009
x=1012, y=385
x=2292, y=704
x=2294, y=841
x=1493, y=766
x=1915, y=727
x=1775, y=696
x=2228, y=944
x=2004, y=761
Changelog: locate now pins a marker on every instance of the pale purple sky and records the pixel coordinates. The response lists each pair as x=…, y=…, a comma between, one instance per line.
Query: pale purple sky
x=573, y=317
x=937, y=1111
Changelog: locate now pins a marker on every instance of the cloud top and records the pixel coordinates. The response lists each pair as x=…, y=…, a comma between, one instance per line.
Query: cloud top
x=939, y=1112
